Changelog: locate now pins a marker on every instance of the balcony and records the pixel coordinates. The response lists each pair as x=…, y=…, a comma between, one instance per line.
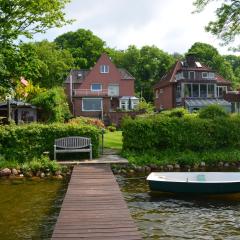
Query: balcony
x=89, y=93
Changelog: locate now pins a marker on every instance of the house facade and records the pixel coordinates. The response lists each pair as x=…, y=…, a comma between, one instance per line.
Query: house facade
x=192, y=85
x=98, y=91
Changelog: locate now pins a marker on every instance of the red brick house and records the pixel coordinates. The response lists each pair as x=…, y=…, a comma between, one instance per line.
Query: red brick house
x=192, y=85
x=100, y=90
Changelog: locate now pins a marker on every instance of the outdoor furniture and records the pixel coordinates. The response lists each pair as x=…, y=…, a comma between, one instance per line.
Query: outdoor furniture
x=72, y=145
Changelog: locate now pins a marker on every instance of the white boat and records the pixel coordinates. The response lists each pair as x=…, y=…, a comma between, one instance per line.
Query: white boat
x=195, y=182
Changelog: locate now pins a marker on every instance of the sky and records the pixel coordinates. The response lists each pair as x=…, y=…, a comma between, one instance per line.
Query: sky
x=167, y=24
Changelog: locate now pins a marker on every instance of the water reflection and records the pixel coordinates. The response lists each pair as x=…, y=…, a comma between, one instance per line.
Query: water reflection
x=29, y=209
x=170, y=216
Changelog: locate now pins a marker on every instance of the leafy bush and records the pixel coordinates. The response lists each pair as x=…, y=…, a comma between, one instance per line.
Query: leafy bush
x=145, y=107
x=86, y=120
x=111, y=128
x=187, y=157
x=53, y=103
x=194, y=134
x=26, y=142
x=176, y=112
x=212, y=112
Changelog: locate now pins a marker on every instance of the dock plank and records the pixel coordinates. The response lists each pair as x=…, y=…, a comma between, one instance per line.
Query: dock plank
x=94, y=208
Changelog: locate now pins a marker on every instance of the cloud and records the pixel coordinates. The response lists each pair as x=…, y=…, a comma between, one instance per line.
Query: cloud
x=168, y=24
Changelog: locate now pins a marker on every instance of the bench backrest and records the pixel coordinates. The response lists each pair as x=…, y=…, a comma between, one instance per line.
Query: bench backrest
x=72, y=142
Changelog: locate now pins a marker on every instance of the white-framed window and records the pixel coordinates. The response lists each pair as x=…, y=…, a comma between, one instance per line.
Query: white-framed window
x=157, y=93
x=211, y=91
x=178, y=91
x=124, y=104
x=179, y=76
x=91, y=104
x=135, y=103
x=191, y=75
x=161, y=90
x=204, y=74
x=104, y=69
x=196, y=90
x=96, y=87
x=113, y=90
x=221, y=90
x=211, y=75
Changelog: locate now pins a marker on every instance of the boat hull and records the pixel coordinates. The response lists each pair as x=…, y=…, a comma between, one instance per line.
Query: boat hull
x=189, y=187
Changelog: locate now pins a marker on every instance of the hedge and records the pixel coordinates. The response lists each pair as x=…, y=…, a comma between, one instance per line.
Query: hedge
x=180, y=134
x=31, y=140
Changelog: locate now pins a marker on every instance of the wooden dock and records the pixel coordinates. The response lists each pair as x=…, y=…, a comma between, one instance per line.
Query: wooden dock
x=94, y=208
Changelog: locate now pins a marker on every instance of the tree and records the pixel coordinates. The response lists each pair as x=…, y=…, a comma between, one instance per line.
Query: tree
x=153, y=64
x=26, y=17
x=85, y=47
x=147, y=65
x=209, y=55
x=227, y=24
x=43, y=63
x=54, y=105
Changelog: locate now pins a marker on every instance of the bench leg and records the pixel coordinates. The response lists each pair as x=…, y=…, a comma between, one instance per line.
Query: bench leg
x=90, y=151
x=54, y=152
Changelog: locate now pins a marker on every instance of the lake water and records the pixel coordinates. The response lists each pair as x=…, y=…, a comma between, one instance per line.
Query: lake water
x=29, y=208
x=168, y=216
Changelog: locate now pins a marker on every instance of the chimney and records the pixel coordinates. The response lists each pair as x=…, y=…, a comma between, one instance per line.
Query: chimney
x=191, y=59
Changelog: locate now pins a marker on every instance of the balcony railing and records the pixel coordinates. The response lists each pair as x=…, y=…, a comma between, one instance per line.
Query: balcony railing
x=89, y=93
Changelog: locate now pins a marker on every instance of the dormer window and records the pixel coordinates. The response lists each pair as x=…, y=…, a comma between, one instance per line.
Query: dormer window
x=211, y=75
x=204, y=75
x=104, y=69
x=191, y=75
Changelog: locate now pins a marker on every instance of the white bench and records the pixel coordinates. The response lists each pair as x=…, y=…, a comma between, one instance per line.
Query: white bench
x=72, y=144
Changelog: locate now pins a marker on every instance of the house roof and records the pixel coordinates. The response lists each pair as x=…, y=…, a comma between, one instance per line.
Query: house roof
x=79, y=75
x=125, y=74
x=181, y=66
x=206, y=102
x=17, y=103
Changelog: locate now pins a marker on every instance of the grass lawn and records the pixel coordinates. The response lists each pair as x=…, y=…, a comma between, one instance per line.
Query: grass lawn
x=113, y=140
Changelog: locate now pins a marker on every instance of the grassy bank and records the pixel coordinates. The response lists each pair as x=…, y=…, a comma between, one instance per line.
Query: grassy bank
x=187, y=157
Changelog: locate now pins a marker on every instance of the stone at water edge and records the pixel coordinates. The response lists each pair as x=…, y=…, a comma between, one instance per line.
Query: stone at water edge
x=57, y=173
x=177, y=166
x=14, y=171
x=42, y=175
x=202, y=164
x=5, y=172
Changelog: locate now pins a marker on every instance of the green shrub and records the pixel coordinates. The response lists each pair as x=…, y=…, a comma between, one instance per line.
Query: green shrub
x=195, y=134
x=53, y=103
x=111, y=128
x=26, y=142
x=212, y=112
x=86, y=120
x=187, y=157
x=176, y=112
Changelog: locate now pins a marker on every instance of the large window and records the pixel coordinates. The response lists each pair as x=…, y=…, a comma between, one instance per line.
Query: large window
x=96, y=87
x=195, y=89
x=203, y=90
x=178, y=91
x=92, y=104
x=187, y=90
x=211, y=91
x=221, y=90
x=104, y=69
